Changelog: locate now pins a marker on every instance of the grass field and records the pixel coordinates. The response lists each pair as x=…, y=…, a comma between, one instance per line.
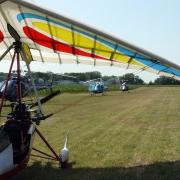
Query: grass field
x=132, y=135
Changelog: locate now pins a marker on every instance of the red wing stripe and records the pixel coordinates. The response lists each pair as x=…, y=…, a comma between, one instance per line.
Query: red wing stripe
x=44, y=40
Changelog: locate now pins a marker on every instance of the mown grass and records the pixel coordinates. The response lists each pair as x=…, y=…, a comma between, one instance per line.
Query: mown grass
x=77, y=88
x=118, y=136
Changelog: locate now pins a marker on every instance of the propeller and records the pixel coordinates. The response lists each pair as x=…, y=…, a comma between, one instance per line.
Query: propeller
x=46, y=98
x=13, y=33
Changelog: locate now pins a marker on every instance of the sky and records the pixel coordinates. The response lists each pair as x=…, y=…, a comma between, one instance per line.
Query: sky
x=152, y=25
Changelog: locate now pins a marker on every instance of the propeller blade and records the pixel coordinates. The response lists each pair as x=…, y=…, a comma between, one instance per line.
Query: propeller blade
x=13, y=32
x=47, y=98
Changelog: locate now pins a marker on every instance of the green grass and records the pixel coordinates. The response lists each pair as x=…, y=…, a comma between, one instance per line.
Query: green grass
x=71, y=88
x=77, y=88
x=118, y=136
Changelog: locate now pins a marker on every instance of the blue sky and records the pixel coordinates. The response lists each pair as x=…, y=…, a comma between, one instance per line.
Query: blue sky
x=152, y=25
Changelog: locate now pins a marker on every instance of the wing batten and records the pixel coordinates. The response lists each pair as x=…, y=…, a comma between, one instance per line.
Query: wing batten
x=50, y=31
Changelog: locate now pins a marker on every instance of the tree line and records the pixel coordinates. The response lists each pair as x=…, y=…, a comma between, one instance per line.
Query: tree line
x=163, y=80
x=77, y=77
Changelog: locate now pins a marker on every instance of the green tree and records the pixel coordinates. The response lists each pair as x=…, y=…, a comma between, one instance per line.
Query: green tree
x=131, y=78
x=163, y=80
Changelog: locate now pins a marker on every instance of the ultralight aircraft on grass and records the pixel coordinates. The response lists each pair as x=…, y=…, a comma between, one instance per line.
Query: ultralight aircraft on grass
x=31, y=33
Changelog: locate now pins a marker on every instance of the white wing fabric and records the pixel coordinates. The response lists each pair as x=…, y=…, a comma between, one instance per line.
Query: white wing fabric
x=55, y=38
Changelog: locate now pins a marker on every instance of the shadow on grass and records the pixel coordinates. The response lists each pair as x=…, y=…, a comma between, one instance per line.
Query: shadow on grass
x=157, y=171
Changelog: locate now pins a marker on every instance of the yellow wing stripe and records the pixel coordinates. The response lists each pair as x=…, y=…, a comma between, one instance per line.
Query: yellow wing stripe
x=81, y=41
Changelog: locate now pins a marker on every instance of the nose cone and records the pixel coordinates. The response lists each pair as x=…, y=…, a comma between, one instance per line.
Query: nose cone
x=64, y=157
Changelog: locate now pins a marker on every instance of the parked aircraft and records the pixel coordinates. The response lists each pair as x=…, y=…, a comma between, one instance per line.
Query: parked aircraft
x=35, y=33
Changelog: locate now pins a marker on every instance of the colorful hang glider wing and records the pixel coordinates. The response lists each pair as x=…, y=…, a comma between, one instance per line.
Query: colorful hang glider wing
x=55, y=38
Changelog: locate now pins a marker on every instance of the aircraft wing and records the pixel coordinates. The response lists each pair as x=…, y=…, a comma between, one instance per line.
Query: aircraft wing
x=55, y=38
